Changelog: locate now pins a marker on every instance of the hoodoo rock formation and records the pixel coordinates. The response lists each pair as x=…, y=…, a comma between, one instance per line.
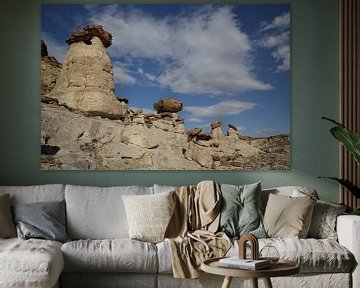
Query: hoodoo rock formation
x=86, y=81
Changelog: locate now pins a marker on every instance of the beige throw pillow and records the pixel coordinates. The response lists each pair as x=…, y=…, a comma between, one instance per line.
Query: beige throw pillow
x=288, y=217
x=149, y=215
x=7, y=226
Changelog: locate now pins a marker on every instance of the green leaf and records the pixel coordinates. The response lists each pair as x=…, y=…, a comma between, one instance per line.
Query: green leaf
x=347, y=184
x=349, y=139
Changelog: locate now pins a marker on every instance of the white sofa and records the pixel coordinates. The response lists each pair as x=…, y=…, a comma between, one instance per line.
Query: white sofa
x=101, y=254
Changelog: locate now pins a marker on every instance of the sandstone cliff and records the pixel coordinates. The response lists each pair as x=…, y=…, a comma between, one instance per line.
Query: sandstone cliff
x=73, y=141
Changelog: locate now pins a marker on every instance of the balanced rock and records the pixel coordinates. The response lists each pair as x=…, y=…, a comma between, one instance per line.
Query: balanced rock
x=168, y=105
x=86, y=81
x=87, y=33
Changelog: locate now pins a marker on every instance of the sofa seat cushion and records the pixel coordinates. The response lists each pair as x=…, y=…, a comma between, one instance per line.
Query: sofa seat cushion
x=30, y=263
x=313, y=255
x=115, y=255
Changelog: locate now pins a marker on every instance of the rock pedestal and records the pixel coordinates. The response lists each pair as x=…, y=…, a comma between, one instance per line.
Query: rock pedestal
x=216, y=132
x=86, y=79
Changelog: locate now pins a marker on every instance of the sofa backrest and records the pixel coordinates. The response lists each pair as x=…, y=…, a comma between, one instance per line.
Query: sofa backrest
x=98, y=212
x=36, y=193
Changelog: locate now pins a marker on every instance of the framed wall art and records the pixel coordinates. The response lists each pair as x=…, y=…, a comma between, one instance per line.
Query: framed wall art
x=165, y=87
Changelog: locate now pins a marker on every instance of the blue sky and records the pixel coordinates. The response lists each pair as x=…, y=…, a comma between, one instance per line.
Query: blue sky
x=224, y=62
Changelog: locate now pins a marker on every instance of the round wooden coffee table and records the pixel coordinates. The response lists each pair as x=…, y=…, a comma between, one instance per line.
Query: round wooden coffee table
x=281, y=268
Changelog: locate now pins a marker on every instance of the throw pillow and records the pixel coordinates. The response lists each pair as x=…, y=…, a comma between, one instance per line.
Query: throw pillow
x=323, y=222
x=240, y=213
x=43, y=220
x=149, y=215
x=288, y=217
x=7, y=226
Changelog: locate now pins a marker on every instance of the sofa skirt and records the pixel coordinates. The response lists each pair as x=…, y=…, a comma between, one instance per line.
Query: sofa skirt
x=108, y=280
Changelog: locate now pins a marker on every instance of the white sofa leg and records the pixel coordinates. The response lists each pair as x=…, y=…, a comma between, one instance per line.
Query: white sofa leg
x=348, y=229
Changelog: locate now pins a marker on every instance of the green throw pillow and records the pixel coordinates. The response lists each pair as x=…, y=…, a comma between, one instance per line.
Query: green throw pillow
x=240, y=213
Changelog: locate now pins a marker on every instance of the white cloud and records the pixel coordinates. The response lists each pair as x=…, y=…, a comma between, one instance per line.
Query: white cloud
x=54, y=47
x=195, y=120
x=282, y=54
x=198, y=52
x=226, y=108
x=279, y=22
x=277, y=38
x=121, y=75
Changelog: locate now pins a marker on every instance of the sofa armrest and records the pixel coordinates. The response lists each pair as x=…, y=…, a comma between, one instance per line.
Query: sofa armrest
x=348, y=230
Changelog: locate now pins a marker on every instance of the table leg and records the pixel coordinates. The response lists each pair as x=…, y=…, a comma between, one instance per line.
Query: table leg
x=267, y=283
x=227, y=282
x=254, y=282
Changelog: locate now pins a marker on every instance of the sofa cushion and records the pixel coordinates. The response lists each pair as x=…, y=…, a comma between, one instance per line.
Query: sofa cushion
x=43, y=220
x=30, y=263
x=98, y=213
x=149, y=215
x=36, y=193
x=116, y=255
x=240, y=210
x=287, y=216
x=291, y=191
x=323, y=222
x=313, y=255
x=7, y=226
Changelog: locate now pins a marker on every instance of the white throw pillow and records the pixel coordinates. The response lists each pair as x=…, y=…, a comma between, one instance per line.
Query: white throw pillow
x=149, y=215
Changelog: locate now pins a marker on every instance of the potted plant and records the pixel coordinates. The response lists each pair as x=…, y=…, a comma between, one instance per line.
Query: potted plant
x=351, y=141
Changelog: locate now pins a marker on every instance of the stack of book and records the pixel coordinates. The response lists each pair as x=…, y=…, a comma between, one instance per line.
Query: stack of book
x=248, y=264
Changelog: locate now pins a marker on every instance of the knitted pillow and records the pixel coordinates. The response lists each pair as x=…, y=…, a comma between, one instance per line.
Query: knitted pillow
x=149, y=215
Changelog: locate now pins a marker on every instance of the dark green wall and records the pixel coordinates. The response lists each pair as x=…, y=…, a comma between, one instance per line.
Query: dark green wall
x=314, y=94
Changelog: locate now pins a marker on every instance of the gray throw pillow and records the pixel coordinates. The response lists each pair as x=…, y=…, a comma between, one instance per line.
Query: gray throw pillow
x=44, y=220
x=323, y=222
x=7, y=226
x=240, y=213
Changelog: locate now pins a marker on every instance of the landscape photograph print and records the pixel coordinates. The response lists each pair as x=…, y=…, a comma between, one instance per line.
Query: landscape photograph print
x=165, y=87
